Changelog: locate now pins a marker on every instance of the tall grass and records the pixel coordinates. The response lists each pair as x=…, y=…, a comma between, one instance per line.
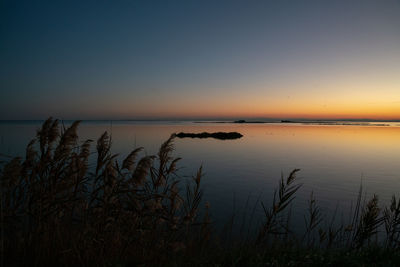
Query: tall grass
x=63, y=204
x=57, y=209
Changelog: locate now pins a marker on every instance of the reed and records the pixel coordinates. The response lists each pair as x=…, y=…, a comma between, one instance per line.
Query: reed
x=58, y=209
x=274, y=216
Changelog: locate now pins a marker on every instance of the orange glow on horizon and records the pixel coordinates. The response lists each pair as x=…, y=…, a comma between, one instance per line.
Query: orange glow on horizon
x=269, y=109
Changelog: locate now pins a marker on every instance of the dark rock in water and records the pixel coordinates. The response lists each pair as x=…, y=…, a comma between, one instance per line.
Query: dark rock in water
x=240, y=121
x=287, y=121
x=218, y=135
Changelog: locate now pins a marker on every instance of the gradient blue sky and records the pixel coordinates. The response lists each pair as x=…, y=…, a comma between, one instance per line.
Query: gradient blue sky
x=199, y=59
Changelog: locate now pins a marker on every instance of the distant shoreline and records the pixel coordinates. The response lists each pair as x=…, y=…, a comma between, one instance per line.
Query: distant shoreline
x=241, y=121
x=316, y=122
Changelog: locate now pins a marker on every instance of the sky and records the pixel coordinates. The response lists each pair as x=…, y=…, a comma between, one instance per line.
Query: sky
x=200, y=59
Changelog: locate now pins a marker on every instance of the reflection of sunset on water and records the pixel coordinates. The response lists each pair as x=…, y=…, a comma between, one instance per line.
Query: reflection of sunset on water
x=332, y=158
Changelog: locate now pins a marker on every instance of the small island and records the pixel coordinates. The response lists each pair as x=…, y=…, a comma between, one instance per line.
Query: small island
x=217, y=135
x=244, y=121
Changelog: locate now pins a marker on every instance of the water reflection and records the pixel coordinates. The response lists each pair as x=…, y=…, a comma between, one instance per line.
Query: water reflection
x=333, y=159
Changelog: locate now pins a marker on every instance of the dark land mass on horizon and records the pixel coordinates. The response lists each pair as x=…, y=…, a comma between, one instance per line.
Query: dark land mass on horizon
x=312, y=122
x=376, y=122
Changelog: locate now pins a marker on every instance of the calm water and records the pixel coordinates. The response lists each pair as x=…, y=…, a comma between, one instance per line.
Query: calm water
x=334, y=159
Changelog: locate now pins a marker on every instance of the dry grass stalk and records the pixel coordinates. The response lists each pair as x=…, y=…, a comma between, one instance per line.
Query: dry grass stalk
x=282, y=198
x=54, y=210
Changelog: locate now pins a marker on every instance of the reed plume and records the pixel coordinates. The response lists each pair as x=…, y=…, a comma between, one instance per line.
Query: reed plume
x=55, y=210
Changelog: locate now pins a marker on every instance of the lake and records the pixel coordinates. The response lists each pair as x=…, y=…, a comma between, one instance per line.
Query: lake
x=334, y=159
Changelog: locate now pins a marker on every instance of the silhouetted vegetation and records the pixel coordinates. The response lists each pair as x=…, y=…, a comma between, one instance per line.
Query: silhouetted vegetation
x=218, y=135
x=63, y=204
x=57, y=208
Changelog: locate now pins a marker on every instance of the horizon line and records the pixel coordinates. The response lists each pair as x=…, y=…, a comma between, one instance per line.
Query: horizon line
x=230, y=119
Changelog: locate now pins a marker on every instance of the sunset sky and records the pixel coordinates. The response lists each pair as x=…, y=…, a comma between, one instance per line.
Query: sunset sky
x=200, y=59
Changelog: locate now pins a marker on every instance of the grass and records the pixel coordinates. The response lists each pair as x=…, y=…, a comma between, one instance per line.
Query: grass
x=63, y=204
